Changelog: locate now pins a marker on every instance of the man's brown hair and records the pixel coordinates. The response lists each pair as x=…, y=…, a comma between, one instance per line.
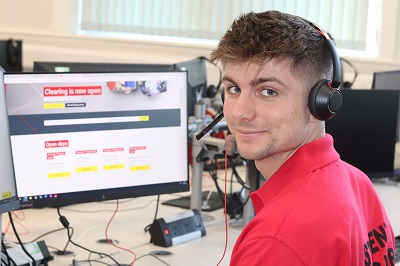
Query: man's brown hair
x=261, y=37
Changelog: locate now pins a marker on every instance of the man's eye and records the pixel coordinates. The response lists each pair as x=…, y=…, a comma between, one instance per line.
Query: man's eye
x=233, y=90
x=268, y=92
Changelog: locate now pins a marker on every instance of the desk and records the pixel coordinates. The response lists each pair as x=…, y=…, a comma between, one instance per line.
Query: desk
x=90, y=221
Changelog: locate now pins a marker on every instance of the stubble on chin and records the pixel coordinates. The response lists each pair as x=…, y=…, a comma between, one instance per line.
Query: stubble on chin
x=254, y=151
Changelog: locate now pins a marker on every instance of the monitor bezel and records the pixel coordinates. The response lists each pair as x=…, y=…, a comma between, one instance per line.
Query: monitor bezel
x=66, y=199
x=11, y=203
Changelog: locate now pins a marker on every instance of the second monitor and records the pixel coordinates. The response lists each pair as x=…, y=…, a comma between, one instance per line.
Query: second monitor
x=364, y=130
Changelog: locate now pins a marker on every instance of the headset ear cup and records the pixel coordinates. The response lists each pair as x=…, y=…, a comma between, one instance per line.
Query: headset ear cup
x=211, y=91
x=323, y=101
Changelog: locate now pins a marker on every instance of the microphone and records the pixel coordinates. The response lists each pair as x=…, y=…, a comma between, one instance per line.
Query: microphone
x=210, y=126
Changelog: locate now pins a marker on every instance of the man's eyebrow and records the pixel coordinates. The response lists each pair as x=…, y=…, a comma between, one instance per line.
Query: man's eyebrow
x=256, y=81
x=226, y=78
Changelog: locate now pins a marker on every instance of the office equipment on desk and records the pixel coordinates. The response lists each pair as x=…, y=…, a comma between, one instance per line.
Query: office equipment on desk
x=211, y=201
x=54, y=66
x=388, y=80
x=82, y=137
x=8, y=193
x=177, y=229
x=347, y=84
x=8, y=196
x=197, y=81
x=11, y=55
x=38, y=251
x=364, y=130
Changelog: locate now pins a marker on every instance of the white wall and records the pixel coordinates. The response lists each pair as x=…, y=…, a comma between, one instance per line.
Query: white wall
x=47, y=30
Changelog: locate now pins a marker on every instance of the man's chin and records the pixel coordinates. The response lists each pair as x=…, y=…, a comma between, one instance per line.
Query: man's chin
x=248, y=155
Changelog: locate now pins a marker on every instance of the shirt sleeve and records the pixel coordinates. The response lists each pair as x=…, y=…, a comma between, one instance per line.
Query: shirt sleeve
x=264, y=251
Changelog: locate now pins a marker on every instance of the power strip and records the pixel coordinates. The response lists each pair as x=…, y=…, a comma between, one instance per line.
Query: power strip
x=38, y=251
x=177, y=229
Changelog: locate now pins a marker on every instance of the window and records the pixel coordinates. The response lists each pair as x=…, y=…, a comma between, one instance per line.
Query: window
x=353, y=23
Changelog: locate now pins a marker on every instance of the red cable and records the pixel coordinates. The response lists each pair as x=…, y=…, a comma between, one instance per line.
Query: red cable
x=110, y=242
x=225, y=212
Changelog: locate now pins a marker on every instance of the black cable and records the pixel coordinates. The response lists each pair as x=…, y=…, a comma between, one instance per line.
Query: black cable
x=59, y=252
x=51, y=232
x=214, y=177
x=19, y=239
x=154, y=256
x=349, y=84
x=147, y=228
x=234, y=171
x=89, y=260
x=65, y=223
x=4, y=249
x=241, y=205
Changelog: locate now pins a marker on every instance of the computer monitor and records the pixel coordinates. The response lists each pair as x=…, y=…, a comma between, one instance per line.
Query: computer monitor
x=82, y=137
x=8, y=200
x=364, y=130
x=11, y=55
x=197, y=77
x=45, y=66
x=388, y=80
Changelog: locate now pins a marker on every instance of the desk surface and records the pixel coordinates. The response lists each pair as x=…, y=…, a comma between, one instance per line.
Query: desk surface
x=89, y=223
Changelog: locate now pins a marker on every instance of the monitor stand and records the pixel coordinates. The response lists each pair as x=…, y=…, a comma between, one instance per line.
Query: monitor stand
x=211, y=201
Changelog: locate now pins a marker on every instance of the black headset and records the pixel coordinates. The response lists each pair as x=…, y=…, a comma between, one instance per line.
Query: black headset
x=348, y=84
x=325, y=98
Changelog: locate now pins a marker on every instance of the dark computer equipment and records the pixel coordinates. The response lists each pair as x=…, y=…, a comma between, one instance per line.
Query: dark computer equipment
x=347, y=83
x=197, y=79
x=11, y=55
x=43, y=66
x=82, y=137
x=388, y=80
x=8, y=197
x=364, y=130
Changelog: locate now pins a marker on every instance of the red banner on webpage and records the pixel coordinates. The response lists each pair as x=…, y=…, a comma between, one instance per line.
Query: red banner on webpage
x=72, y=90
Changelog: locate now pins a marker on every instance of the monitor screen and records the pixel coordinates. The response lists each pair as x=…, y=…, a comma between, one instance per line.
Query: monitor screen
x=8, y=200
x=81, y=137
x=386, y=80
x=364, y=130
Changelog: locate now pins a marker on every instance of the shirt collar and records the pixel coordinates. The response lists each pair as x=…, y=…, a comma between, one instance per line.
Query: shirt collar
x=308, y=158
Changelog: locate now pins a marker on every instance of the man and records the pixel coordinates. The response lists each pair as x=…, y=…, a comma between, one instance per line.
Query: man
x=314, y=209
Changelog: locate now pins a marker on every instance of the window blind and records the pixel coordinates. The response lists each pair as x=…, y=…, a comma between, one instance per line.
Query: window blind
x=353, y=23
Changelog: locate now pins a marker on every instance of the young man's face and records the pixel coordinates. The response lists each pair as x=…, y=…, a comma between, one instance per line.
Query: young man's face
x=266, y=109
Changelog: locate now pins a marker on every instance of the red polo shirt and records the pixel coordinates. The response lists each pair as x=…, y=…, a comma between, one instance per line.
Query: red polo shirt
x=316, y=210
